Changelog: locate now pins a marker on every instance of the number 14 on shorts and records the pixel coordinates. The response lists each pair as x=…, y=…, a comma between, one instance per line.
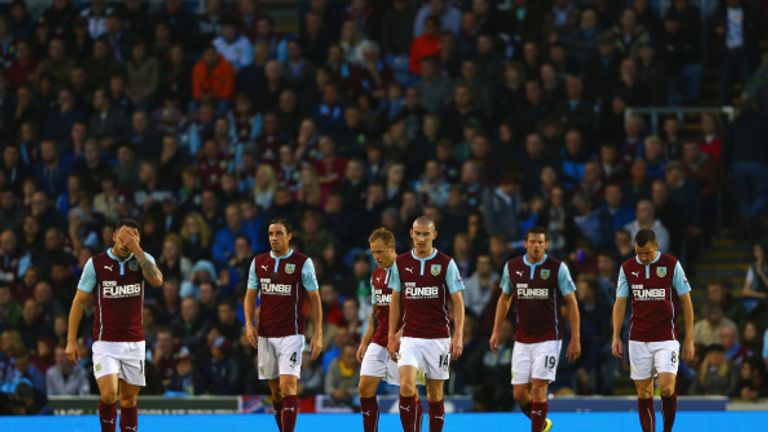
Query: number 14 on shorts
x=445, y=360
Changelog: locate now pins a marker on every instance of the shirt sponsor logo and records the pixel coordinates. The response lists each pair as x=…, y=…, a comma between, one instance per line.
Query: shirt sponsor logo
x=649, y=294
x=110, y=289
x=414, y=292
x=269, y=288
x=382, y=299
x=533, y=293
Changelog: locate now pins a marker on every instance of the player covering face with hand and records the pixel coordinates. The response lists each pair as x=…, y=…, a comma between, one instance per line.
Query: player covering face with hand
x=115, y=279
x=660, y=293
x=540, y=286
x=283, y=278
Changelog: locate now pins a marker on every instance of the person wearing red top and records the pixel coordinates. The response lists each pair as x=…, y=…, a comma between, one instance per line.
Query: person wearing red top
x=213, y=76
x=711, y=141
x=426, y=45
x=23, y=67
x=330, y=168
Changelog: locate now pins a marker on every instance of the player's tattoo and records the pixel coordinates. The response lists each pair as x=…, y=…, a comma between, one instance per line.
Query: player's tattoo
x=150, y=270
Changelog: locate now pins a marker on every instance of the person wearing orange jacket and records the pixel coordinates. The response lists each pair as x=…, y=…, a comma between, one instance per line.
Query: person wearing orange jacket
x=426, y=45
x=213, y=76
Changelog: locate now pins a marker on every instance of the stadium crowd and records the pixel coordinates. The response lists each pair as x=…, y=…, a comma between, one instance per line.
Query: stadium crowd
x=489, y=116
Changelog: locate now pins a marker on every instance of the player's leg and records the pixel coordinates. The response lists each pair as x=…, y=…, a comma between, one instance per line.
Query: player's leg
x=277, y=401
x=268, y=371
x=288, y=387
x=666, y=357
x=641, y=368
x=410, y=359
x=437, y=359
x=129, y=409
x=436, y=406
x=372, y=370
x=107, y=400
x=544, y=360
x=289, y=351
x=521, y=376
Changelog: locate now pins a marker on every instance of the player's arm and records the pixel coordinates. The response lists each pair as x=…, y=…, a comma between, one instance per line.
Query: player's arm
x=619, y=311
x=366, y=339
x=309, y=280
x=393, y=342
x=568, y=291
x=683, y=289
x=84, y=289
x=147, y=263
x=249, y=306
x=456, y=288
x=502, y=308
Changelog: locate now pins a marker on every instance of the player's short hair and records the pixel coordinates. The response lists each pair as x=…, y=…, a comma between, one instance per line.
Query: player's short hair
x=127, y=222
x=284, y=222
x=537, y=230
x=384, y=235
x=644, y=236
x=424, y=220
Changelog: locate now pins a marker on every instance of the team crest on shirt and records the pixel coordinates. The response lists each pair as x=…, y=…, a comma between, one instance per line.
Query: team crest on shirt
x=436, y=269
x=290, y=268
x=133, y=265
x=661, y=271
x=98, y=367
x=544, y=274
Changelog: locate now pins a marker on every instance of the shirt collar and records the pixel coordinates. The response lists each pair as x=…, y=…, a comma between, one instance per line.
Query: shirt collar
x=658, y=255
x=288, y=255
x=526, y=262
x=432, y=255
x=114, y=257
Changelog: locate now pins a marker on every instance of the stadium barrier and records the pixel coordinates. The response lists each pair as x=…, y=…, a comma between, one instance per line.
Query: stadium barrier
x=80, y=405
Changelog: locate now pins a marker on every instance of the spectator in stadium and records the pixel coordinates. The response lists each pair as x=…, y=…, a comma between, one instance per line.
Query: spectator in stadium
x=10, y=310
x=446, y=12
x=719, y=294
x=646, y=218
x=219, y=375
x=706, y=331
x=479, y=287
x=752, y=379
x=755, y=289
x=736, y=353
x=142, y=75
x=234, y=47
x=182, y=381
x=312, y=380
x=213, y=76
x=717, y=375
x=66, y=378
x=342, y=376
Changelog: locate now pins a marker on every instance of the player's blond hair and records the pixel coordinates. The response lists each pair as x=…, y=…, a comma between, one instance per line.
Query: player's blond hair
x=384, y=235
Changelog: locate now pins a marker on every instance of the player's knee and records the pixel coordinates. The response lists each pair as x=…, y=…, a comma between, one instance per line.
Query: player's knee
x=520, y=394
x=667, y=389
x=127, y=401
x=407, y=388
x=108, y=397
x=434, y=394
x=366, y=388
x=287, y=388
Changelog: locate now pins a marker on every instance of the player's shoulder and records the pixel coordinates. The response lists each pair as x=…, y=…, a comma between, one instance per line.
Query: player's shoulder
x=553, y=262
x=443, y=256
x=630, y=262
x=298, y=256
x=405, y=256
x=514, y=261
x=667, y=259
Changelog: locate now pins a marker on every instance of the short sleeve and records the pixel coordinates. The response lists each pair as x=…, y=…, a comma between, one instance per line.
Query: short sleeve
x=506, y=285
x=150, y=258
x=88, y=277
x=680, y=281
x=564, y=280
x=373, y=292
x=622, y=286
x=253, y=280
x=394, y=279
x=308, y=277
x=453, y=278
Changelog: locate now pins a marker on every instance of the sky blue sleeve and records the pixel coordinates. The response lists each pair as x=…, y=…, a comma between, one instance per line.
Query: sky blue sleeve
x=622, y=286
x=394, y=278
x=506, y=285
x=373, y=292
x=308, y=277
x=150, y=258
x=253, y=280
x=679, y=281
x=88, y=277
x=564, y=280
x=765, y=345
x=453, y=278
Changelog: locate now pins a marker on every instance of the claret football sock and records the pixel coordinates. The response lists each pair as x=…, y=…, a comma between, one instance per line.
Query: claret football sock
x=408, y=413
x=668, y=411
x=107, y=416
x=278, y=406
x=369, y=408
x=647, y=414
x=129, y=419
x=290, y=411
x=538, y=416
x=436, y=416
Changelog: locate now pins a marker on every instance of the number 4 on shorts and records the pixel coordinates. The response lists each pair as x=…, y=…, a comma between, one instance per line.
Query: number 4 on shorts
x=294, y=358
